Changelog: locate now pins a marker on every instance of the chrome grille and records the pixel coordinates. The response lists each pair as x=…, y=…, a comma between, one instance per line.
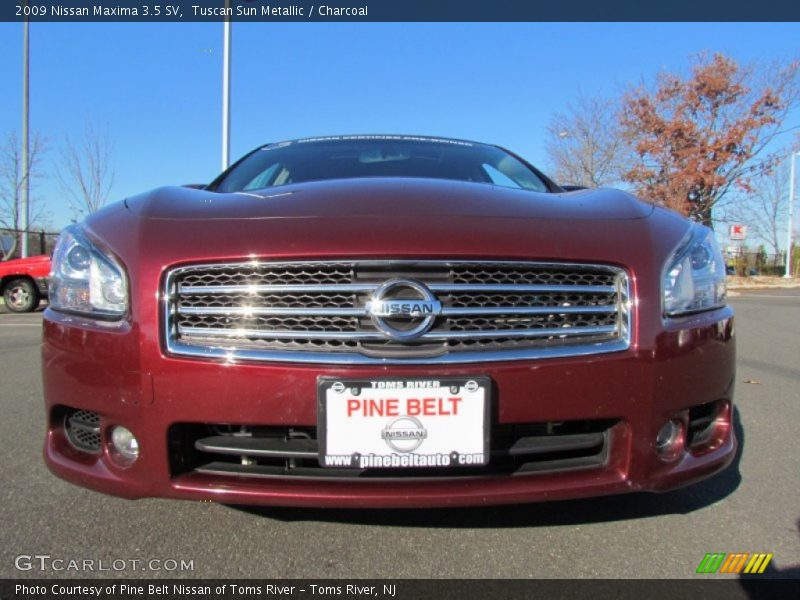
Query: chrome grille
x=317, y=311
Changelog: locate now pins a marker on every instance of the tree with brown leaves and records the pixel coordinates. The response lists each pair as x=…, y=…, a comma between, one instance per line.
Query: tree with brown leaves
x=699, y=136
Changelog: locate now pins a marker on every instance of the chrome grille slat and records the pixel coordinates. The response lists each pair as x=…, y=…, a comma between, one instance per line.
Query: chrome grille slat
x=316, y=311
x=522, y=287
x=272, y=310
x=361, y=312
x=367, y=287
x=528, y=310
x=260, y=288
x=360, y=335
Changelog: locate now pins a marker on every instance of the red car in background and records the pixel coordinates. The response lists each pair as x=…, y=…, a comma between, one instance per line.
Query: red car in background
x=386, y=321
x=23, y=282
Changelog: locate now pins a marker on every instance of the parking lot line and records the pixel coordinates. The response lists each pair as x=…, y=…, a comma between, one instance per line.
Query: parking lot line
x=768, y=296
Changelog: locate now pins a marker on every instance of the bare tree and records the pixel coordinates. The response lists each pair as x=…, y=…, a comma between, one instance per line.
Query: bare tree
x=585, y=144
x=765, y=210
x=85, y=174
x=12, y=179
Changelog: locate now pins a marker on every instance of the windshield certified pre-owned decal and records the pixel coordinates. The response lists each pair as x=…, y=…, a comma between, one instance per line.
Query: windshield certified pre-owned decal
x=400, y=138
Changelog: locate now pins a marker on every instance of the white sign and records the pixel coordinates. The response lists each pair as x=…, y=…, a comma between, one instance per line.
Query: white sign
x=404, y=423
x=737, y=231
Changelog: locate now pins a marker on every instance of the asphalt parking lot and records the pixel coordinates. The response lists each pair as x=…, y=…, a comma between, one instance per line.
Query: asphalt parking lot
x=751, y=507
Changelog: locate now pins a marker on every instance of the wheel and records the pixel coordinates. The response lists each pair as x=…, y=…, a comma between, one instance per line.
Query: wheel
x=21, y=296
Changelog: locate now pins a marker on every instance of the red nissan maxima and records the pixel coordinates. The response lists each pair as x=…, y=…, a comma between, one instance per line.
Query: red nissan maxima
x=386, y=321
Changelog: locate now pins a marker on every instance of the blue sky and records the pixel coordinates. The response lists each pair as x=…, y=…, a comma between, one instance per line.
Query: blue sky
x=156, y=87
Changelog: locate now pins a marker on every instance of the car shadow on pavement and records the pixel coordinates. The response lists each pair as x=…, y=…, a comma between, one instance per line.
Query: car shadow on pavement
x=565, y=512
x=753, y=584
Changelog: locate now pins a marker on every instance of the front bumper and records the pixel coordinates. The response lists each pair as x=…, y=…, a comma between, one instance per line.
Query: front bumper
x=119, y=373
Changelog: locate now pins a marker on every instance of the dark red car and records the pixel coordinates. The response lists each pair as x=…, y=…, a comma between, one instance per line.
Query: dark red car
x=386, y=321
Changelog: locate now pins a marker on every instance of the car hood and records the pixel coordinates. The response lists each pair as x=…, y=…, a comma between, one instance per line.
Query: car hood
x=384, y=219
x=387, y=198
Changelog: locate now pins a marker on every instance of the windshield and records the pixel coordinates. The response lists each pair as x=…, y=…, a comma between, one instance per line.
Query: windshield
x=378, y=156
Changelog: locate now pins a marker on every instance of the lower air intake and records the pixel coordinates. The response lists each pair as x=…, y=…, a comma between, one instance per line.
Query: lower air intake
x=83, y=430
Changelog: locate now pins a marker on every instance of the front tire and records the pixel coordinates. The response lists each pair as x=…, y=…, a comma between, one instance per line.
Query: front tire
x=21, y=296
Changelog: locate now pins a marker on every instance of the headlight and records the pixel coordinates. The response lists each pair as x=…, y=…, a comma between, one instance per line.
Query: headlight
x=695, y=276
x=85, y=280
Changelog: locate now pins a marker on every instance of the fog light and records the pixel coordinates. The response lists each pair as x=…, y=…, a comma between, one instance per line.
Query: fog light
x=671, y=439
x=125, y=443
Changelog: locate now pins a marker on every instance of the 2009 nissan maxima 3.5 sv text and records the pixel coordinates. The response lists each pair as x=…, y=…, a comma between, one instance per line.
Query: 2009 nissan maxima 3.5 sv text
x=386, y=321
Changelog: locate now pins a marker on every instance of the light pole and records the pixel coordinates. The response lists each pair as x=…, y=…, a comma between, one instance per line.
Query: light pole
x=792, y=158
x=26, y=187
x=226, y=90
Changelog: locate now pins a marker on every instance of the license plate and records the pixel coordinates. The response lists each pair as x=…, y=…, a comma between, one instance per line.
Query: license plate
x=403, y=423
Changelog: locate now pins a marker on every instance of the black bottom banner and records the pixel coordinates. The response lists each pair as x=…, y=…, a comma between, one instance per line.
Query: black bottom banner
x=400, y=589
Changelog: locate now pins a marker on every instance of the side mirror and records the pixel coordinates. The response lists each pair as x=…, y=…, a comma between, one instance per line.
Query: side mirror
x=573, y=188
x=195, y=186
